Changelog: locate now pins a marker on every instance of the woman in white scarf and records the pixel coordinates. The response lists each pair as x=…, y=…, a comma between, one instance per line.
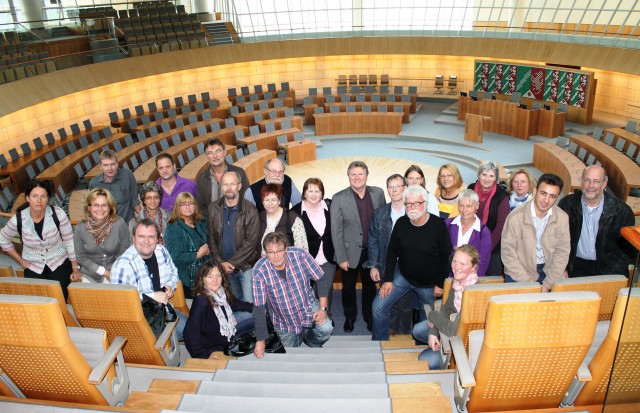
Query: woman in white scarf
x=215, y=316
x=464, y=266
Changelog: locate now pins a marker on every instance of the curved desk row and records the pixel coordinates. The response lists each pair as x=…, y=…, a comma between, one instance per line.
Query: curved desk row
x=368, y=97
x=550, y=158
x=291, y=93
x=342, y=107
x=268, y=140
x=358, y=123
x=253, y=165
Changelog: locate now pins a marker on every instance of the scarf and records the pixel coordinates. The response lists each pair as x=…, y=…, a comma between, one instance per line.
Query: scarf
x=515, y=201
x=99, y=229
x=228, y=321
x=485, y=199
x=459, y=286
x=158, y=221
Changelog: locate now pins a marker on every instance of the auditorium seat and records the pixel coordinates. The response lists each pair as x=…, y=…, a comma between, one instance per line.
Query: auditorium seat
x=47, y=361
x=622, y=343
x=116, y=308
x=528, y=353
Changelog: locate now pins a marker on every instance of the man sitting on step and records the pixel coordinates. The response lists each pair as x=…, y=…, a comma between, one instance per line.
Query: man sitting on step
x=281, y=283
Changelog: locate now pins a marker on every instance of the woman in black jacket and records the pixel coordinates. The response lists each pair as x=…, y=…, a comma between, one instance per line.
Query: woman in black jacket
x=314, y=211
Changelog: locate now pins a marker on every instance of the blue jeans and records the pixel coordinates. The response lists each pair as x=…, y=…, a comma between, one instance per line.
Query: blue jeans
x=381, y=307
x=182, y=321
x=241, y=285
x=244, y=322
x=314, y=336
x=421, y=333
x=541, y=275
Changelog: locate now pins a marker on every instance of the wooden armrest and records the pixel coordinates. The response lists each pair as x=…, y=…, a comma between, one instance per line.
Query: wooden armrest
x=103, y=366
x=583, y=373
x=463, y=367
x=161, y=343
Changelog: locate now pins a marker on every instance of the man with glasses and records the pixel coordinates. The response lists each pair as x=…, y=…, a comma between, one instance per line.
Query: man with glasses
x=120, y=182
x=384, y=219
x=351, y=213
x=595, y=220
x=281, y=285
x=234, y=237
x=171, y=183
x=208, y=188
x=420, y=248
x=274, y=174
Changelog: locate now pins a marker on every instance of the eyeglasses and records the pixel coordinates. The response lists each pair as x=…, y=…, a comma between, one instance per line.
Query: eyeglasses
x=216, y=152
x=190, y=204
x=445, y=176
x=276, y=172
x=100, y=206
x=274, y=253
x=595, y=182
x=411, y=205
x=395, y=187
x=152, y=198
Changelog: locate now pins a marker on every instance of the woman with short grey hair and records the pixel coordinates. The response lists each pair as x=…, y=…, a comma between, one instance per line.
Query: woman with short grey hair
x=151, y=197
x=493, y=208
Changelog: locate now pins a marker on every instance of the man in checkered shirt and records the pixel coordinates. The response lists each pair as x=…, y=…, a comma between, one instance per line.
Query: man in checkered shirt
x=281, y=285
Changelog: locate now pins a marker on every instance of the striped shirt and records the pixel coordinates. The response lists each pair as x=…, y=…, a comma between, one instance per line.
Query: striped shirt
x=54, y=247
x=287, y=299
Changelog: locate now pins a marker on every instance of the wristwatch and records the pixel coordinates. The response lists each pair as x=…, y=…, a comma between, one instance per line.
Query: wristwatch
x=76, y=267
x=325, y=309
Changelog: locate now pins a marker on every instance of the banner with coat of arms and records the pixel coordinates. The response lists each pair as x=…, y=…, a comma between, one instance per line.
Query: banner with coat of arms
x=540, y=83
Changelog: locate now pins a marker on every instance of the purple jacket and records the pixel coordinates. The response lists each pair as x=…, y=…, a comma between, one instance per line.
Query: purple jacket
x=481, y=240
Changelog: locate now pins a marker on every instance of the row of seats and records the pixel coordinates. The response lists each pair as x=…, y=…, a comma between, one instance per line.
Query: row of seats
x=10, y=60
x=11, y=74
x=365, y=108
x=144, y=49
x=257, y=89
x=341, y=90
x=452, y=84
x=262, y=105
x=608, y=138
x=10, y=37
x=363, y=80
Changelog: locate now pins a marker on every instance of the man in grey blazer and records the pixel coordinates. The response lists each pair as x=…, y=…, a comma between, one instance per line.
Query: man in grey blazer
x=351, y=213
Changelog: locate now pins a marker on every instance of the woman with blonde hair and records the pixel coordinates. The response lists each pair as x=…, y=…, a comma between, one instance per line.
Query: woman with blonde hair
x=186, y=239
x=449, y=187
x=520, y=187
x=101, y=236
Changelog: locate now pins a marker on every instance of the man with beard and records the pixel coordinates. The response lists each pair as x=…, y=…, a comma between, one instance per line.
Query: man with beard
x=233, y=233
x=209, y=188
x=420, y=246
x=595, y=220
x=274, y=174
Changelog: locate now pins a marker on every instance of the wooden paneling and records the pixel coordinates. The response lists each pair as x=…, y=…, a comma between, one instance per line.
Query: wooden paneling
x=358, y=123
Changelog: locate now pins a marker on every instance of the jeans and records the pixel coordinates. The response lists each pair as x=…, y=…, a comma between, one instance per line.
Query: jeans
x=381, y=307
x=241, y=285
x=314, y=336
x=182, y=321
x=421, y=333
x=244, y=322
x=541, y=275
x=349, y=301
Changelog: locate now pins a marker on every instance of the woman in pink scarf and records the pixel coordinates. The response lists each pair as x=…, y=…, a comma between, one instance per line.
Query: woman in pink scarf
x=464, y=266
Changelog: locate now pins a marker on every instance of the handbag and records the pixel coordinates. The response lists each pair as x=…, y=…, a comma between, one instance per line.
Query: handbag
x=244, y=344
x=157, y=314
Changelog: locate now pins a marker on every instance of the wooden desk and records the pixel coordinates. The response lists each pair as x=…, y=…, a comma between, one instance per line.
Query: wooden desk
x=550, y=158
x=630, y=137
x=148, y=170
x=291, y=93
x=623, y=173
x=17, y=170
x=253, y=164
x=62, y=173
x=358, y=123
x=474, y=127
x=296, y=122
x=551, y=123
x=246, y=118
x=76, y=202
x=299, y=151
x=321, y=100
x=269, y=140
x=216, y=114
x=308, y=113
x=374, y=107
x=506, y=117
x=286, y=102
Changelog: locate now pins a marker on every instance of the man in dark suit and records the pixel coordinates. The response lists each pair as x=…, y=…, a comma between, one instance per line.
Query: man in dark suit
x=351, y=212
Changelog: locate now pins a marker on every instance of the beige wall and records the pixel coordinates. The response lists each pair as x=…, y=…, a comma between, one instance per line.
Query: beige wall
x=37, y=105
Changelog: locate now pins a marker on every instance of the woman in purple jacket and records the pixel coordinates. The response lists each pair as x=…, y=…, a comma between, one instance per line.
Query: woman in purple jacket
x=467, y=228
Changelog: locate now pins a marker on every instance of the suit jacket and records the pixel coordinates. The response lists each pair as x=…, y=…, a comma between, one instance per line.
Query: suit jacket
x=346, y=230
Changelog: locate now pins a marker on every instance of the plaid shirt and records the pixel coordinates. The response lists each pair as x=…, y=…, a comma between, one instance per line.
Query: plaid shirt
x=130, y=269
x=289, y=299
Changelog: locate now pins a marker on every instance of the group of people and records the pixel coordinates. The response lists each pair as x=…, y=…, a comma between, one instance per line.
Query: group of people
x=245, y=253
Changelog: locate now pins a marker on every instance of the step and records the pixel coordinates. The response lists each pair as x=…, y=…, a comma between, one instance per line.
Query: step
x=426, y=404
x=174, y=386
x=229, y=404
x=334, y=350
x=319, y=357
x=239, y=376
x=265, y=365
x=295, y=391
x=152, y=401
x=351, y=344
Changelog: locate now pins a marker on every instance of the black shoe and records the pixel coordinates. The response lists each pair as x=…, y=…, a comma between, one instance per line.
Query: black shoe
x=348, y=326
x=369, y=325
